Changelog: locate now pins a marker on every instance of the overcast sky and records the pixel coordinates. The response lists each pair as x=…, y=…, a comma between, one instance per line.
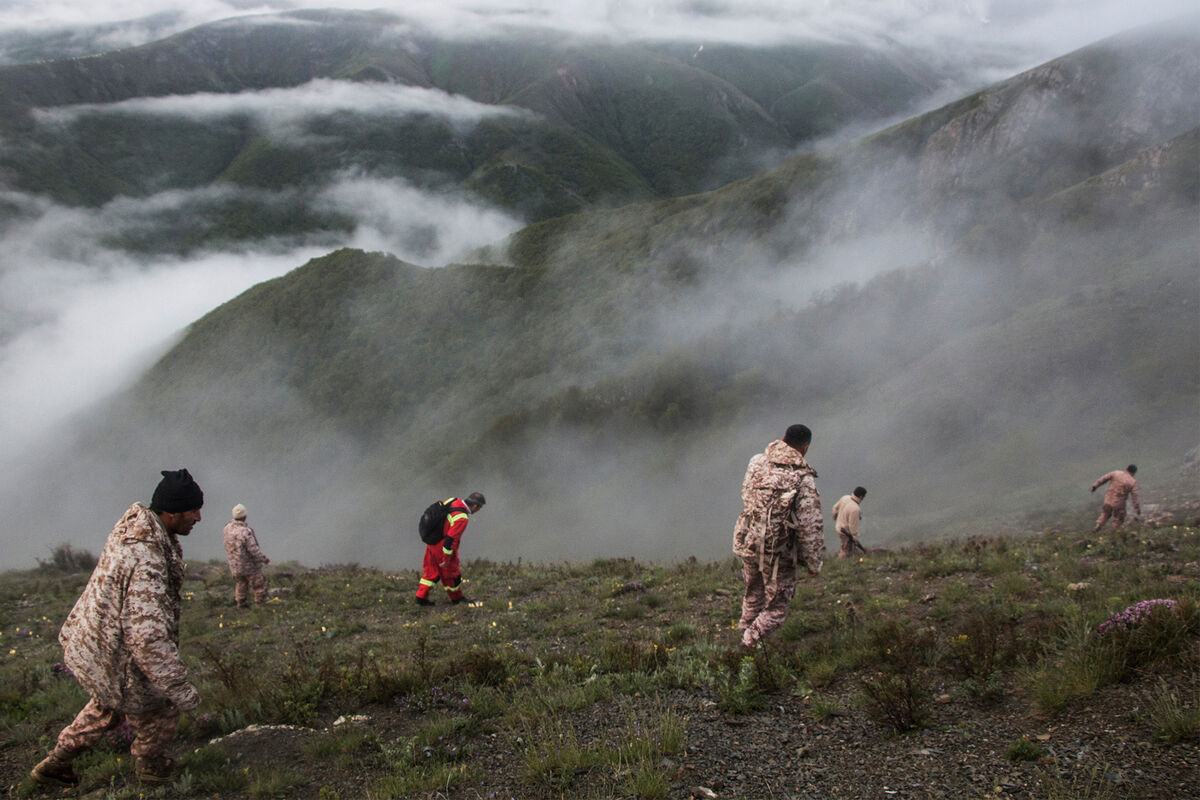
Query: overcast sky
x=1039, y=28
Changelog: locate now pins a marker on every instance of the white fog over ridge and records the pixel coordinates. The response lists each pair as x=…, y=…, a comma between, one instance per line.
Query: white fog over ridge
x=1043, y=28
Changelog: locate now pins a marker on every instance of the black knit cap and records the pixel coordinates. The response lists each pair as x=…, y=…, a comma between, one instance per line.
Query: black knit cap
x=176, y=492
x=797, y=436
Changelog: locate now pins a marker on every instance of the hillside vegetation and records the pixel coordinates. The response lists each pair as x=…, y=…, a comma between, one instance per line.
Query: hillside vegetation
x=984, y=667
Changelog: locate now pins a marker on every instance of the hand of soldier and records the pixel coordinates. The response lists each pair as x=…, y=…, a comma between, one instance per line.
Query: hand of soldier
x=190, y=700
x=812, y=574
x=266, y=560
x=1093, y=489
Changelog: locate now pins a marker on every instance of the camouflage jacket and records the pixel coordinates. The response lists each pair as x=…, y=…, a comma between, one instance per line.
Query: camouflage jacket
x=781, y=513
x=122, y=637
x=241, y=549
x=1120, y=486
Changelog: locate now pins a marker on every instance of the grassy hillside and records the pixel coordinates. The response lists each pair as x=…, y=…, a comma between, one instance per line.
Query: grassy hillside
x=971, y=668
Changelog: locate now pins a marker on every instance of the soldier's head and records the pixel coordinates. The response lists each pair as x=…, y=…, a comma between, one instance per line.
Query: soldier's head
x=177, y=500
x=860, y=492
x=239, y=511
x=475, y=501
x=798, y=437
x=1131, y=469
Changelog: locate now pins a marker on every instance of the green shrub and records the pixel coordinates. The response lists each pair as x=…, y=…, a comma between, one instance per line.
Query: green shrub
x=66, y=559
x=1024, y=750
x=483, y=666
x=987, y=691
x=742, y=692
x=898, y=700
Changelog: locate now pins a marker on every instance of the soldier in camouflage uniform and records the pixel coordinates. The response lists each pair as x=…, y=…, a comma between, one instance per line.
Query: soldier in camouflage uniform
x=246, y=559
x=780, y=528
x=121, y=640
x=1121, y=485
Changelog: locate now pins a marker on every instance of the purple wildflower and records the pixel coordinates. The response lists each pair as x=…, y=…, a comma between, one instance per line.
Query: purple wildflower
x=1133, y=616
x=121, y=735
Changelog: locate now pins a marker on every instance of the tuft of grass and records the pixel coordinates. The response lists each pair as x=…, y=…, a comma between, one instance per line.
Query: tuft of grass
x=824, y=708
x=552, y=756
x=208, y=771
x=1174, y=719
x=1024, y=750
x=343, y=745
x=648, y=781
x=421, y=779
x=1090, y=785
x=273, y=783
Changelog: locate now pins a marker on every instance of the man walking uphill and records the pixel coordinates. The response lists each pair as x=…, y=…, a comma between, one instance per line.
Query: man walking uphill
x=1121, y=484
x=121, y=640
x=780, y=528
x=441, y=557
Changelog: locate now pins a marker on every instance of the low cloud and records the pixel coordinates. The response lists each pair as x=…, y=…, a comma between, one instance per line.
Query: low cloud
x=284, y=112
x=81, y=320
x=393, y=216
x=90, y=328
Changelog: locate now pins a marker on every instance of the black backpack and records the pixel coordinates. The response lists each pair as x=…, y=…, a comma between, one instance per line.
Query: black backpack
x=431, y=526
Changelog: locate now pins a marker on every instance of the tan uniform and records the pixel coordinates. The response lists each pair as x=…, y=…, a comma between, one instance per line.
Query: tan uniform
x=780, y=527
x=1121, y=485
x=246, y=562
x=121, y=640
x=847, y=511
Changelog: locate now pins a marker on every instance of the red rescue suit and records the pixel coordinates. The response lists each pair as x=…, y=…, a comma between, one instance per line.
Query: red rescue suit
x=441, y=559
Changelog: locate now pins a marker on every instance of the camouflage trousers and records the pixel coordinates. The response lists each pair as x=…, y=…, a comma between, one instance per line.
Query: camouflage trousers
x=1116, y=512
x=153, y=732
x=255, y=582
x=769, y=591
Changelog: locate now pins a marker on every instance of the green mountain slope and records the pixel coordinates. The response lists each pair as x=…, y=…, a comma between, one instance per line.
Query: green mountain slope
x=963, y=348
x=605, y=124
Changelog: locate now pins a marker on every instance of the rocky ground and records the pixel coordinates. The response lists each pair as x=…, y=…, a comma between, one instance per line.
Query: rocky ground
x=1103, y=749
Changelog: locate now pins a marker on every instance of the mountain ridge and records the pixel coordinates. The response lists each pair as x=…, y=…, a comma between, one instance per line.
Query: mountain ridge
x=637, y=121
x=990, y=347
